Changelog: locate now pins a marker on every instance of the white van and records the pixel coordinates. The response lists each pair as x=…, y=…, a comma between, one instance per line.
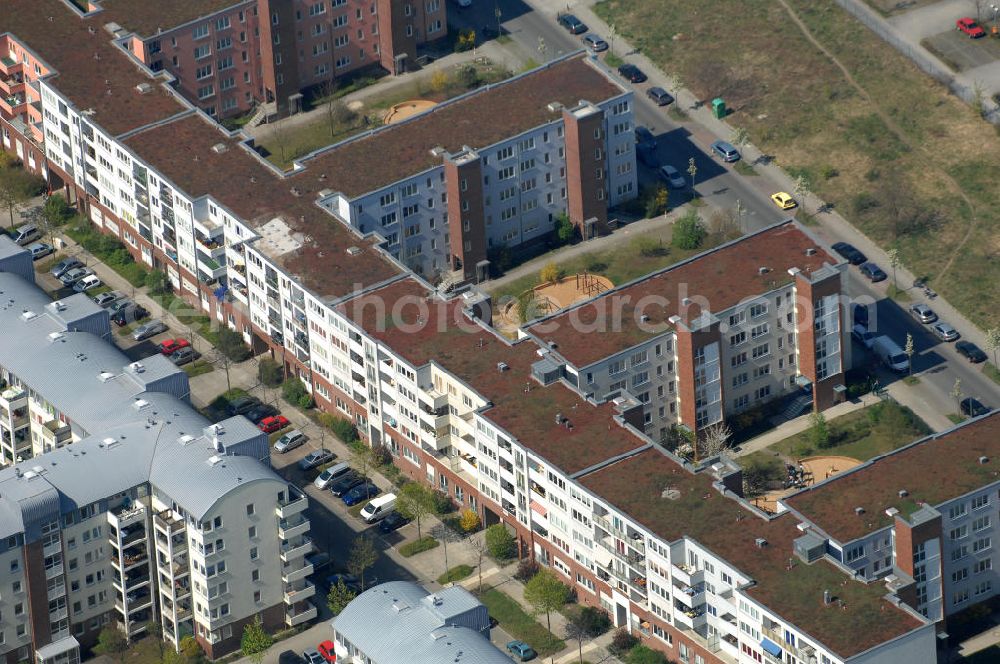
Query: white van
x=25, y=234
x=378, y=508
x=330, y=474
x=891, y=354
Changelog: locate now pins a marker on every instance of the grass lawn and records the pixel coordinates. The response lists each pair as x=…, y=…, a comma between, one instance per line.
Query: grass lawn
x=956, y=418
x=862, y=434
x=992, y=372
x=520, y=625
x=892, y=154
x=619, y=264
x=454, y=574
x=197, y=368
x=425, y=543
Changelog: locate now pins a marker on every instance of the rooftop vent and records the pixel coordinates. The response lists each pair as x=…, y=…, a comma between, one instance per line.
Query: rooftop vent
x=296, y=192
x=139, y=404
x=554, y=106
x=686, y=301
x=144, y=88
x=760, y=542
x=827, y=598
x=59, y=305
x=437, y=151
x=502, y=366
x=983, y=460
x=811, y=251
x=185, y=439
x=55, y=336
x=137, y=367
x=220, y=148
x=108, y=443
x=891, y=512
x=218, y=429
x=214, y=460
x=859, y=510
x=325, y=193
x=353, y=251
x=903, y=493
x=763, y=269
x=28, y=315
x=105, y=376
x=670, y=493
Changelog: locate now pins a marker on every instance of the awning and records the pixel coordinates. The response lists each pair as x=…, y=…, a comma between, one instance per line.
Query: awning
x=771, y=647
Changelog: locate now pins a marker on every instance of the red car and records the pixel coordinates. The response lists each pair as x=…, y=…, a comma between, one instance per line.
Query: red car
x=170, y=346
x=970, y=27
x=273, y=423
x=326, y=651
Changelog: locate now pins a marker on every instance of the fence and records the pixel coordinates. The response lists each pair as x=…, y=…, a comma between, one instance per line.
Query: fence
x=920, y=57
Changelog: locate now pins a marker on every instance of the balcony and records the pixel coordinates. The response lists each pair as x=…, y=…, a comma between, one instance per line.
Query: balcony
x=293, y=527
x=687, y=575
x=291, y=576
x=11, y=84
x=290, y=552
x=167, y=522
x=622, y=553
x=300, y=614
x=53, y=572
x=12, y=104
x=9, y=65
x=296, y=595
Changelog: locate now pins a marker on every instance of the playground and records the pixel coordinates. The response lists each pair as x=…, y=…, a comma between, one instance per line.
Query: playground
x=553, y=296
x=809, y=471
x=407, y=109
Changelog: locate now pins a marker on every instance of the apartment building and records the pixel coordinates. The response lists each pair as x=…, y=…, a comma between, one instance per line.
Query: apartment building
x=229, y=55
x=126, y=505
x=415, y=626
x=921, y=518
x=697, y=348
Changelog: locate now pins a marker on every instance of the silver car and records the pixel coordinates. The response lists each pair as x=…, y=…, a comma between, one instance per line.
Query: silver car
x=944, y=331
x=147, y=330
x=105, y=300
x=672, y=176
x=923, y=313
x=289, y=441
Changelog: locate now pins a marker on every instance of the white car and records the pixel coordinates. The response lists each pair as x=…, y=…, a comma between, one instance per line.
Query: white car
x=672, y=176
x=88, y=282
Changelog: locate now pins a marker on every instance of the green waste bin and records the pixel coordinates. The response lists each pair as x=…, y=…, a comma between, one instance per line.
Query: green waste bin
x=719, y=108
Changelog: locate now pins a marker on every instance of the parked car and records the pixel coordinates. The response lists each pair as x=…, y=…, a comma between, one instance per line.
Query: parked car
x=273, y=423
x=88, y=282
x=873, y=272
x=463, y=4
x=64, y=266
x=70, y=277
x=923, y=313
x=672, y=177
x=129, y=314
x=106, y=299
x=631, y=73
x=660, y=96
x=647, y=155
x=970, y=351
x=242, y=405
x=521, y=650
x=150, y=329
x=40, y=250
x=332, y=474
x=970, y=27
x=316, y=458
x=312, y=656
x=859, y=315
x=595, y=43
x=348, y=580
x=260, y=412
x=360, y=493
x=784, y=200
x=944, y=331
x=25, y=234
x=972, y=407
x=171, y=346
x=644, y=136
x=326, y=650
x=572, y=24
x=184, y=356
x=726, y=151
x=394, y=521
x=290, y=657
x=849, y=253
x=378, y=508
x=346, y=482
x=864, y=336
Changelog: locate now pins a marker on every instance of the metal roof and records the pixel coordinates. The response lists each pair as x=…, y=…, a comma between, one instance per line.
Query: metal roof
x=416, y=627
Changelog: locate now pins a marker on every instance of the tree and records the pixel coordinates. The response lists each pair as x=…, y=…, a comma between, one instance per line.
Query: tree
x=445, y=535
x=565, y=230
x=692, y=170
x=295, y=392
x=57, y=211
x=154, y=628
x=740, y=210
x=469, y=521
x=993, y=342
x=715, y=438
x=956, y=393
x=979, y=98
x=978, y=6
x=191, y=650
x=688, y=232
x=802, y=189
x=576, y=632
x=909, y=350
x=478, y=548
x=469, y=77
x=16, y=187
x=270, y=373
x=819, y=433
x=158, y=283
x=586, y=624
x=363, y=555
x=362, y=460
x=550, y=274
x=339, y=597
x=280, y=136
x=657, y=203
x=893, y=255
x=255, y=641
x=439, y=81
x=415, y=502
x=500, y=542
x=740, y=137
x=545, y=593
x=113, y=643
x=231, y=345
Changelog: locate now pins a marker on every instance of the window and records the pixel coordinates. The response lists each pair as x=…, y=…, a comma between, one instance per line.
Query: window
x=202, y=52
x=317, y=8
x=956, y=511
x=200, y=32
x=203, y=72
x=254, y=553
x=758, y=310
x=981, y=523
x=206, y=91
x=959, y=533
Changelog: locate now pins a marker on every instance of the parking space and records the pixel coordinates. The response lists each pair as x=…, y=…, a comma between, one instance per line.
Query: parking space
x=961, y=53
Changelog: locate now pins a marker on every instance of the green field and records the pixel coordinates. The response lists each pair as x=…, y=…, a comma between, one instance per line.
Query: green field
x=520, y=625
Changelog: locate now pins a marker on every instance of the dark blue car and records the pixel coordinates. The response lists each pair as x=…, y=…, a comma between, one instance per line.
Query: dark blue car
x=361, y=492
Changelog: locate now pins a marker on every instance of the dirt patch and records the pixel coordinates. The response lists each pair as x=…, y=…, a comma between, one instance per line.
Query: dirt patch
x=812, y=471
x=570, y=290
x=407, y=109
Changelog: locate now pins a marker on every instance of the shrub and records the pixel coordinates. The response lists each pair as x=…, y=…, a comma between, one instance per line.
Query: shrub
x=158, y=283
x=468, y=76
x=466, y=41
x=592, y=263
x=565, y=230
x=341, y=427
x=550, y=274
x=500, y=543
x=469, y=521
x=594, y=621
x=622, y=642
x=454, y=574
x=295, y=393
x=649, y=247
x=828, y=172
x=270, y=373
x=688, y=232
x=418, y=546
x=442, y=502
x=645, y=655
x=57, y=210
x=230, y=343
x=656, y=202
x=381, y=456
x=526, y=569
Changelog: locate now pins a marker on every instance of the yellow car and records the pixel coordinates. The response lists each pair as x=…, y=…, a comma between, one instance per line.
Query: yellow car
x=784, y=200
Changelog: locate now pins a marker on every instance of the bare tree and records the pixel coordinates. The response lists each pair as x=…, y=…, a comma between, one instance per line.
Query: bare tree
x=715, y=438
x=978, y=6
x=479, y=550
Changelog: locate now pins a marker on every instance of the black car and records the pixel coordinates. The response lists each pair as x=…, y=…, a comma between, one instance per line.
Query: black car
x=850, y=253
x=970, y=351
x=242, y=405
x=660, y=96
x=290, y=657
x=348, y=580
x=643, y=136
x=260, y=411
x=631, y=73
x=973, y=407
x=574, y=25
x=860, y=315
x=341, y=486
x=394, y=521
x=129, y=314
x=873, y=272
